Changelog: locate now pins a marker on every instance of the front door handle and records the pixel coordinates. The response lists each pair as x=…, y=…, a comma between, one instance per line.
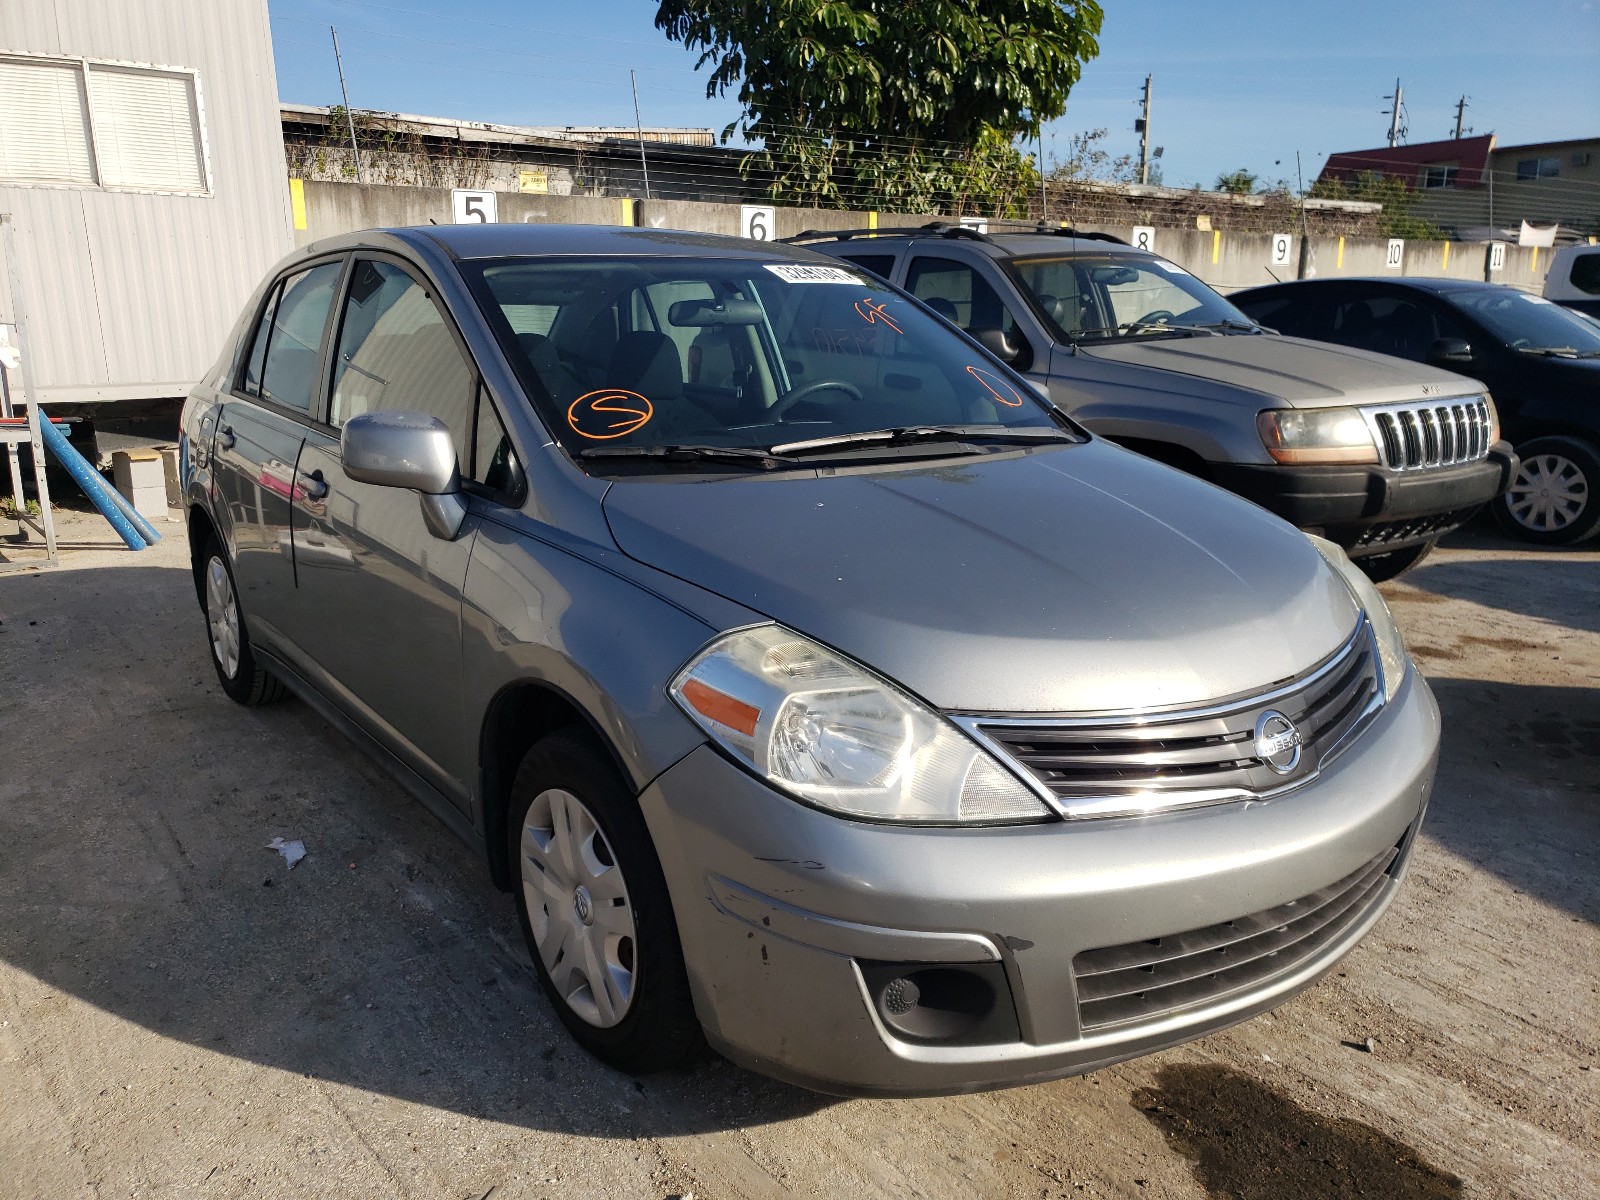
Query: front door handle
x=225, y=437
x=316, y=487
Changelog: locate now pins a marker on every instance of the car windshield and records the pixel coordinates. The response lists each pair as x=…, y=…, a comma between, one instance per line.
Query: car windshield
x=1527, y=322
x=634, y=354
x=1092, y=297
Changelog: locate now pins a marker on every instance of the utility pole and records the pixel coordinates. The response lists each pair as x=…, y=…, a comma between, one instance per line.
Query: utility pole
x=638, y=127
x=1142, y=125
x=348, y=115
x=1395, y=131
x=1461, y=113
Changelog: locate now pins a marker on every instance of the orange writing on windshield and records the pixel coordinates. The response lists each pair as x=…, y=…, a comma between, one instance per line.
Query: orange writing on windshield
x=1002, y=391
x=873, y=313
x=609, y=413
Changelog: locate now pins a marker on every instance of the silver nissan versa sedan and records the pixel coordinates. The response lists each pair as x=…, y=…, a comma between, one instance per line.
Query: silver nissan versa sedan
x=818, y=690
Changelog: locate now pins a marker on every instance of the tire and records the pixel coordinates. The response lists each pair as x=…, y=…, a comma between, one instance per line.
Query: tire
x=1381, y=567
x=592, y=901
x=1553, y=500
x=243, y=678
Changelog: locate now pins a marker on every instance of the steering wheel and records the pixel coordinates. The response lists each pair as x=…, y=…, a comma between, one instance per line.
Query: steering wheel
x=775, y=413
x=1159, y=317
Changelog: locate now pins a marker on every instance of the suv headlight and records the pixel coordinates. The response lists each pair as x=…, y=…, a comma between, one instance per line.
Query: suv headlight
x=1317, y=435
x=1391, y=646
x=832, y=734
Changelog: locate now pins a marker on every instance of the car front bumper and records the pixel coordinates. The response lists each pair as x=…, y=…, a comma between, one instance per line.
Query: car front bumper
x=1372, y=510
x=788, y=914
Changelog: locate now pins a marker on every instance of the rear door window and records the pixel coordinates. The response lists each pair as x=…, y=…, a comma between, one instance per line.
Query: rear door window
x=258, y=348
x=1393, y=325
x=294, y=341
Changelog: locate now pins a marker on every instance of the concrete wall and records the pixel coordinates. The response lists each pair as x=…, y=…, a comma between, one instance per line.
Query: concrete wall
x=1227, y=261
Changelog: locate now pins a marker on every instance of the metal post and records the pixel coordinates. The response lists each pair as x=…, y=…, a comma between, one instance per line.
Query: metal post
x=638, y=127
x=348, y=114
x=1044, y=196
x=1144, y=136
x=11, y=447
x=30, y=392
x=1394, y=116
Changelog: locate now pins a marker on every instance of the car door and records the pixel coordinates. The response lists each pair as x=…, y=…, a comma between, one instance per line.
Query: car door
x=379, y=596
x=977, y=299
x=258, y=434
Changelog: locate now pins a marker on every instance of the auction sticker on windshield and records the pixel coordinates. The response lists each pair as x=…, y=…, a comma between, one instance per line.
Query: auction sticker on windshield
x=800, y=273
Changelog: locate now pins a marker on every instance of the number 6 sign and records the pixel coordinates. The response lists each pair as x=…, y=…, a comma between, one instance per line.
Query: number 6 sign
x=756, y=222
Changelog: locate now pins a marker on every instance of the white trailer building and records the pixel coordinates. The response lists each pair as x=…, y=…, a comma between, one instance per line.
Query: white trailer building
x=141, y=157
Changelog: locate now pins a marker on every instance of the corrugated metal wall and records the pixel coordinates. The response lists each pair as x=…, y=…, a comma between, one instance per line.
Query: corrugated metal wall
x=130, y=295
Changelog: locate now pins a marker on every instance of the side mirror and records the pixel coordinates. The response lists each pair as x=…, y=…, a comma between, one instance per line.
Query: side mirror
x=1449, y=352
x=998, y=344
x=408, y=450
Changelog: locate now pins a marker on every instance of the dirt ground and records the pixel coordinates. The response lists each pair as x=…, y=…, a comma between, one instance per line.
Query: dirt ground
x=181, y=1015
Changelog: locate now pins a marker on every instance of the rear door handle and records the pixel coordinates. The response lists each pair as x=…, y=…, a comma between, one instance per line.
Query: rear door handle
x=225, y=437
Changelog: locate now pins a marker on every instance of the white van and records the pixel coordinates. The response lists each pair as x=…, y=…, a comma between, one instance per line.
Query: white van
x=1574, y=278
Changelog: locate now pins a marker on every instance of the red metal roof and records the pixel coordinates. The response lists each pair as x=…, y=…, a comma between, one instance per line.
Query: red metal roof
x=1470, y=155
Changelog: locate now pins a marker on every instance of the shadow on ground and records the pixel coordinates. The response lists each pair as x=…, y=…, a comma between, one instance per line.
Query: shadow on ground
x=1248, y=1142
x=135, y=877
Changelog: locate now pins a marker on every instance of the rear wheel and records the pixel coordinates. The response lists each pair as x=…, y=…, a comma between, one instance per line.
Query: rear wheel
x=1552, y=498
x=595, y=911
x=1379, y=567
x=242, y=677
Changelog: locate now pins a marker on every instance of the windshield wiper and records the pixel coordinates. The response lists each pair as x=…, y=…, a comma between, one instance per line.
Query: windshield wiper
x=1559, y=352
x=744, y=455
x=1238, y=326
x=910, y=434
x=1132, y=327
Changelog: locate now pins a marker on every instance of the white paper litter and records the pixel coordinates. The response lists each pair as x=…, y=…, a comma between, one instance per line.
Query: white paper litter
x=292, y=852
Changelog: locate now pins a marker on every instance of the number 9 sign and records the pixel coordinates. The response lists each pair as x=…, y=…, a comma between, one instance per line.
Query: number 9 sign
x=756, y=222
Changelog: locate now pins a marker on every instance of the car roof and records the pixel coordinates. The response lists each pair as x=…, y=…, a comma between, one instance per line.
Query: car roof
x=1408, y=281
x=511, y=241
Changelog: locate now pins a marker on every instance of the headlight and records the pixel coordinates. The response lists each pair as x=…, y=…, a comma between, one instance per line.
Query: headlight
x=830, y=733
x=1391, y=646
x=1317, y=435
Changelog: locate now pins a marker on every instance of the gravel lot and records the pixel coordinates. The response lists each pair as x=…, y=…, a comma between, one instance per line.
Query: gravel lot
x=180, y=1015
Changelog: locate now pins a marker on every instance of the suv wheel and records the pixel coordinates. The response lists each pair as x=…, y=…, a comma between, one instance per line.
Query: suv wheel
x=1552, y=499
x=1379, y=567
x=595, y=911
x=242, y=677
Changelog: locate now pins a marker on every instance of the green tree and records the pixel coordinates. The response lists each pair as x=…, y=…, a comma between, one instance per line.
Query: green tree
x=1240, y=182
x=903, y=103
x=1394, y=193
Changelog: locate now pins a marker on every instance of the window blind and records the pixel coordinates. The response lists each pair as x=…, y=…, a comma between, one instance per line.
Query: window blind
x=146, y=128
x=44, y=128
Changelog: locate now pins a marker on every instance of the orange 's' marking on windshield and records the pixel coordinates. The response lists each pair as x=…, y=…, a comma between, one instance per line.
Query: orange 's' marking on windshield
x=1002, y=391
x=873, y=313
x=609, y=413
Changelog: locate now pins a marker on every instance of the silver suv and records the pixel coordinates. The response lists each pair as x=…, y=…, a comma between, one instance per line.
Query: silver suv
x=817, y=690
x=1380, y=455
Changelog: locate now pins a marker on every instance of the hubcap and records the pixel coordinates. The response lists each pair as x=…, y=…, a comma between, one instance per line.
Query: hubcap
x=222, y=615
x=1548, y=493
x=578, y=907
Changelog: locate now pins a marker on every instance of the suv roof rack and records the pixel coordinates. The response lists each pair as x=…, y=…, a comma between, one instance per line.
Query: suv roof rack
x=946, y=229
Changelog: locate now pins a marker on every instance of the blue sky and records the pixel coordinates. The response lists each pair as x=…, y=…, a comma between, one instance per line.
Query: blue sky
x=1243, y=83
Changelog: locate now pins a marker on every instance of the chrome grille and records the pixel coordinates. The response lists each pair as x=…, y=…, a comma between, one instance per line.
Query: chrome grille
x=1413, y=436
x=1132, y=763
x=1145, y=981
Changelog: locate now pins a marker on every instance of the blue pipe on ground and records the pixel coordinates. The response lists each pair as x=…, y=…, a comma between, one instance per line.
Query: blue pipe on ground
x=135, y=518
x=89, y=480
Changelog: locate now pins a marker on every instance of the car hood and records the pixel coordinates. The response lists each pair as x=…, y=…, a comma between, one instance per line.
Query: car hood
x=1301, y=373
x=1069, y=579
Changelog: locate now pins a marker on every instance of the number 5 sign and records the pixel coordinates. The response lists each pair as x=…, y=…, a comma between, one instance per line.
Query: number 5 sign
x=468, y=207
x=756, y=222
x=1282, y=243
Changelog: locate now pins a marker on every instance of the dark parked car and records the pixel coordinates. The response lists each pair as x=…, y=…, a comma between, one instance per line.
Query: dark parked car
x=1540, y=362
x=817, y=690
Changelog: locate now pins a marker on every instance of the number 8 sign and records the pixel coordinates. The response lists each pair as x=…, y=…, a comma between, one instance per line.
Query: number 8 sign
x=1144, y=237
x=756, y=222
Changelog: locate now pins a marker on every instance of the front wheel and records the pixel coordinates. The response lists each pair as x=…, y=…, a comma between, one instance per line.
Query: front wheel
x=1381, y=567
x=1551, y=499
x=594, y=909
